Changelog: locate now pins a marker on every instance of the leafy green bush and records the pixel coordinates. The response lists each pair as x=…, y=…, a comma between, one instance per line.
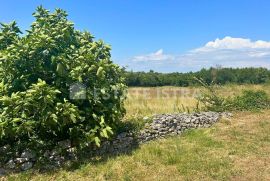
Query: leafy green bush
x=250, y=100
x=37, y=70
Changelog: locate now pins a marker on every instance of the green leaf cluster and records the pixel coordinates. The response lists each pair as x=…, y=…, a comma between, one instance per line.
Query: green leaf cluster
x=37, y=69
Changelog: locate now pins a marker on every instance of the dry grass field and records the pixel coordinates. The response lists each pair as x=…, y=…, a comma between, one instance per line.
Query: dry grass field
x=155, y=100
x=235, y=149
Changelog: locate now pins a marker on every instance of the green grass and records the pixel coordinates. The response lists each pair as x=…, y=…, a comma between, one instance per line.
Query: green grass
x=230, y=150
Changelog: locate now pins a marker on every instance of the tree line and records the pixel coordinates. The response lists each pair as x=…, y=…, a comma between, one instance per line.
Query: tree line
x=212, y=75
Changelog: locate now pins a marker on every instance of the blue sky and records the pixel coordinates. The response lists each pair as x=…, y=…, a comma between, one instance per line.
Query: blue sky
x=168, y=35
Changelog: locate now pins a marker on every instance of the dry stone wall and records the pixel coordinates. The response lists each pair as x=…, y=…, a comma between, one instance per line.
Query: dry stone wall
x=161, y=126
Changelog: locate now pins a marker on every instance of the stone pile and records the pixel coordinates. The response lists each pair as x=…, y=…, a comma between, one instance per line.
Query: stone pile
x=23, y=161
x=54, y=158
x=123, y=143
x=172, y=124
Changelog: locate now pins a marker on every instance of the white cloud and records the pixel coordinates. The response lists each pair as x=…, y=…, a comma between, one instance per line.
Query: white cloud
x=234, y=52
x=227, y=52
x=234, y=44
x=156, y=56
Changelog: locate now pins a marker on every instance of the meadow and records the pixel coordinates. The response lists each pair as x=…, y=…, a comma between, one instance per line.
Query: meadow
x=146, y=101
x=233, y=149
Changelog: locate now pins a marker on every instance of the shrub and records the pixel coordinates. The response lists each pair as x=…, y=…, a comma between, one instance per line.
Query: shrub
x=210, y=98
x=38, y=68
x=250, y=100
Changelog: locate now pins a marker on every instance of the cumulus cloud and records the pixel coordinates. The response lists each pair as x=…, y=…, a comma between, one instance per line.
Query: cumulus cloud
x=234, y=52
x=234, y=44
x=227, y=52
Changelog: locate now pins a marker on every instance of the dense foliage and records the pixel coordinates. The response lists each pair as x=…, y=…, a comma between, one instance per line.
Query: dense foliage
x=215, y=75
x=247, y=100
x=250, y=100
x=37, y=69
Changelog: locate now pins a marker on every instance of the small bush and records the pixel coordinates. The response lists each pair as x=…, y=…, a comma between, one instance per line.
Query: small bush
x=210, y=99
x=37, y=70
x=250, y=100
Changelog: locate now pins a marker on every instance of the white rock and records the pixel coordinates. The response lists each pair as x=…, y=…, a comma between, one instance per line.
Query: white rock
x=4, y=148
x=21, y=160
x=145, y=118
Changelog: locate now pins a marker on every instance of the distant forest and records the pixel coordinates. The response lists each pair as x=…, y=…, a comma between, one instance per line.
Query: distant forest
x=212, y=75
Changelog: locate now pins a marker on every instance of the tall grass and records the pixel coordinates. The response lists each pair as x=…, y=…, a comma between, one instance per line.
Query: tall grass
x=148, y=101
x=156, y=100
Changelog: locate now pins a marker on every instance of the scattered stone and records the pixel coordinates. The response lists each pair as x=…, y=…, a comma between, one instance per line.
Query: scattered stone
x=28, y=154
x=2, y=172
x=21, y=160
x=46, y=154
x=72, y=153
x=4, y=149
x=54, y=152
x=26, y=166
x=11, y=164
x=121, y=135
x=71, y=150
